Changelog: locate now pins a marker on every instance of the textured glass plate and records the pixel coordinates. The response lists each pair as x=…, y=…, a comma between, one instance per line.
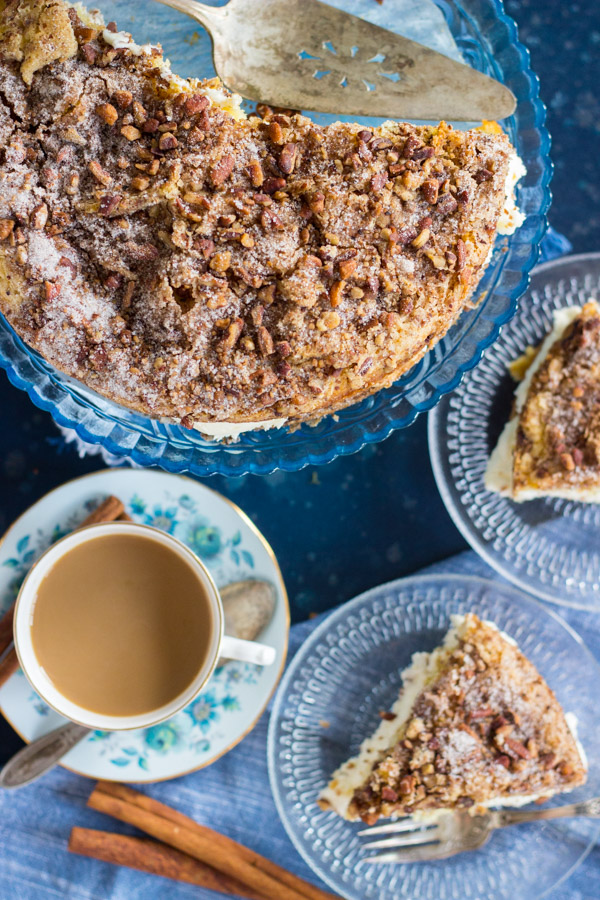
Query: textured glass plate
x=487, y=40
x=549, y=547
x=348, y=670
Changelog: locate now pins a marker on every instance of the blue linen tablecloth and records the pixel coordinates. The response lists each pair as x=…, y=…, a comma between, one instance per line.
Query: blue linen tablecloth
x=233, y=796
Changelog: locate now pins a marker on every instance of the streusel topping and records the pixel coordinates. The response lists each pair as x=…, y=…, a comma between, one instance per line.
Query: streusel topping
x=192, y=265
x=486, y=729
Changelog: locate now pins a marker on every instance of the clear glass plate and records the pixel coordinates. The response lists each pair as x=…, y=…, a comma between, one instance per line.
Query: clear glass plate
x=487, y=39
x=349, y=669
x=550, y=546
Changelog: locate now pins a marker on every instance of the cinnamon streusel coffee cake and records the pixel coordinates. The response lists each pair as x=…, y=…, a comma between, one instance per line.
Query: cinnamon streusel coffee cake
x=551, y=445
x=220, y=271
x=474, y=726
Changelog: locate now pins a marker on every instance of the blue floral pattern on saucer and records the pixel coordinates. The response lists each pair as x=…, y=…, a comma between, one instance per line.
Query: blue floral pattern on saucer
x=233, y=550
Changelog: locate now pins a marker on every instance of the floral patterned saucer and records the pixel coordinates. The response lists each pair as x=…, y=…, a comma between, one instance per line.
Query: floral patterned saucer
x=230, y=546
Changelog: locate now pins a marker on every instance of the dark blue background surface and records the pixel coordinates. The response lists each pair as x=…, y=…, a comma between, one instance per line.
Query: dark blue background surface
x=377, y=515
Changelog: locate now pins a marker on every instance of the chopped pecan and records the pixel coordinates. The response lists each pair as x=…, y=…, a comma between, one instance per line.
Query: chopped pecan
x=267, y=294
x=389, y=794
x=548, y=760
x=516, y=748
x=122, y=98
x=410, y=146
x=461, y=255
x=265, y=341
x=270, y=219
x=576, y=453
x=282, y=348
x=378, y=181
x=421, y=239
x=195, y=104
x=131, y=132
x=316, y=202
x=51, y=290
x=113, y=281
x=567, y=461
x=484, y=712
x=446, y=204
x=423, y=153
x=380, y=143
x=482, y=175
x=287, y=158
x=196, y=136
x=346, y=267
x=167, y=141
x=222, y=170
x=430, y=190
x=99, y=173
x=336, y=293
x=328, y=321
x=89, y=54
x=232, y=335
x=108, y=204
x=406, y=234
x=39, y=217
x=150, y=126
x=407, y=784
x=256, y=173
x=107, y=113
x=271, y=185
x=221, y=261
x=68, y=264
x=141, y=252
x=139, y=183
x=275, y=132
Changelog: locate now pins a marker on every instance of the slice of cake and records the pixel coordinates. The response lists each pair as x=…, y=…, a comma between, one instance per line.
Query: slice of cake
x=551, y=445
x=224, y=272
x=475, y=726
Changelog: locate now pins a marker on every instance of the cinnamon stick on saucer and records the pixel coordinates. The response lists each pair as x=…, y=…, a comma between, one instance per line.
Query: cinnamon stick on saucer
x=108, y=510
x=266, y=878
x=156, y=858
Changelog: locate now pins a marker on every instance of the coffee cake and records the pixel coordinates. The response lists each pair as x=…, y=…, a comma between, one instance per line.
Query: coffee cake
x=551, y=445
x=215, y=270
x=475, y=726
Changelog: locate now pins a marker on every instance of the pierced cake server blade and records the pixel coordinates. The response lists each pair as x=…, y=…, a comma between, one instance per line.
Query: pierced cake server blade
x=304, y=54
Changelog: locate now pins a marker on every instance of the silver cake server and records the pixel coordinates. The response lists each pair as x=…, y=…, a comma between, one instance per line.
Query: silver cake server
x=304, y=54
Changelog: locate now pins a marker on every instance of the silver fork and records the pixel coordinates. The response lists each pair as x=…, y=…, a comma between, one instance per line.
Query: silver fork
x=413, y=841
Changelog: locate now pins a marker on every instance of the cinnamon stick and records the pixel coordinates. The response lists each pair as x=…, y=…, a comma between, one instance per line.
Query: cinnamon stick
x=107, y=511
x=147, y=855
x=201, y=842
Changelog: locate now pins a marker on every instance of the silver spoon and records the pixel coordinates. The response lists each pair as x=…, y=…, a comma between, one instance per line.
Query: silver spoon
x=248, y=607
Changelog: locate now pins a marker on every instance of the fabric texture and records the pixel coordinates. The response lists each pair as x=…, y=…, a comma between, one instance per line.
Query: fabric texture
x=232, y=796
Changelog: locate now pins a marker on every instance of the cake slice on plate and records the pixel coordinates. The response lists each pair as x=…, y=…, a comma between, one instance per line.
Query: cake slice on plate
x=551, y=445
x=475, y=726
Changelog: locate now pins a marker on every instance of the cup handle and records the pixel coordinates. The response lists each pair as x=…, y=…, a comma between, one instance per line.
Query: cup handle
x=247, y=651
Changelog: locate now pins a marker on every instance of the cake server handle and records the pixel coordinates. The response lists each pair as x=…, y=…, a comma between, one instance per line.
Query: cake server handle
x=37, y=758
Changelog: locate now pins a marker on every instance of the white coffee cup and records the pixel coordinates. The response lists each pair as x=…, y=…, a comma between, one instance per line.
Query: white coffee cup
x=221, y=645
